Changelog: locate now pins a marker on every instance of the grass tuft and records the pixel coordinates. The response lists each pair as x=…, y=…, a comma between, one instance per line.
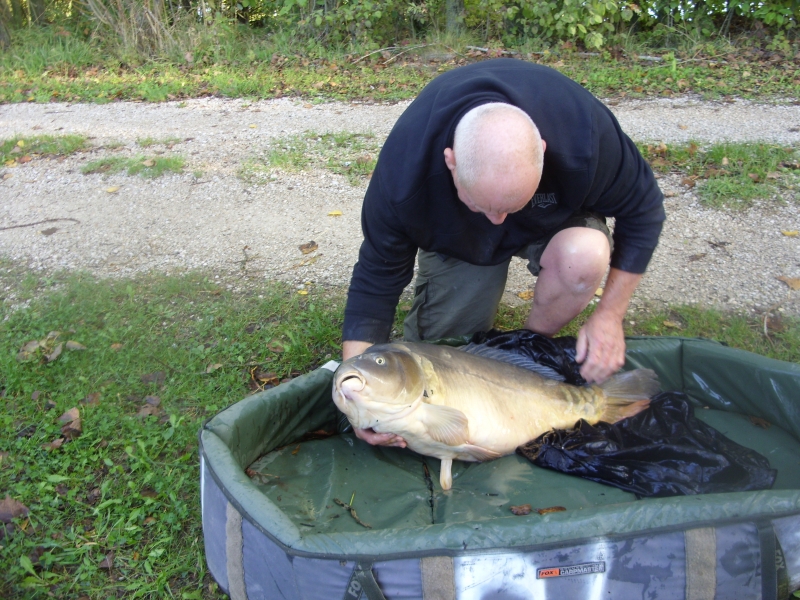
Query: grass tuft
x=148, y=167
x=350, y=154
x=15, y=148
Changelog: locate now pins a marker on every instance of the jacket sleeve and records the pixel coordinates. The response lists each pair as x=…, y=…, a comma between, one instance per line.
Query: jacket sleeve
x=626, y=189
x=385, y=267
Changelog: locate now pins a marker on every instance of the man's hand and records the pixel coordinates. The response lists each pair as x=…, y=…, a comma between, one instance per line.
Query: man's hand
x=600, y=348
x=601, y=341
x=379, y=439
x=352, y=348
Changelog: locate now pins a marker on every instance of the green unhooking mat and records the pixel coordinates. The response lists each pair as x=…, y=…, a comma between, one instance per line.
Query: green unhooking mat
x=290, y=511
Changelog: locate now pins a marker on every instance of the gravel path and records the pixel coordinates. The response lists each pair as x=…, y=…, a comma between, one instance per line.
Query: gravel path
x=235, y=229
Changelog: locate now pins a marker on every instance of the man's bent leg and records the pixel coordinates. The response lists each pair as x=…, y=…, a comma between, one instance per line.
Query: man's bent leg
x=572, y=267
x=453, y=298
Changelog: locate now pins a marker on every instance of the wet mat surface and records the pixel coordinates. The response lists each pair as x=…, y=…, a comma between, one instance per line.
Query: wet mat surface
x=392, y=491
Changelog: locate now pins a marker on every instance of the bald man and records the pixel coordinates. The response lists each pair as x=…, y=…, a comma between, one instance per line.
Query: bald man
x=493, y=160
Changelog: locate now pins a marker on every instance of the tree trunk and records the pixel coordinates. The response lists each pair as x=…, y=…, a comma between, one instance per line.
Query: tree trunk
x=5, y=37
x=455, y=15
x=36, y=9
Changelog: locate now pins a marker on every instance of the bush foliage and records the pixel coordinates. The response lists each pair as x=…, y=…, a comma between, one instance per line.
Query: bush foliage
x=148, y=27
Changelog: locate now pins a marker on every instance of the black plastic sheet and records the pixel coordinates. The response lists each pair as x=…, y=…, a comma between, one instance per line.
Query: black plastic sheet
x=663, y=451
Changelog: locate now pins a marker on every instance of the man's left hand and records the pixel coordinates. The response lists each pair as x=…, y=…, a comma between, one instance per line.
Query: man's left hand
x=601, y=347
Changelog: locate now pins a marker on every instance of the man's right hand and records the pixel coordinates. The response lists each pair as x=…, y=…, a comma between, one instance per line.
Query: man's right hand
x=352, y=348
x=379, y=439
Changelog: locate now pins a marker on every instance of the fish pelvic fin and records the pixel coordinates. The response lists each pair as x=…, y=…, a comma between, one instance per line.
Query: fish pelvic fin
x=480, y=454
x=444, y=424
x=446, y=474
x=628, y=393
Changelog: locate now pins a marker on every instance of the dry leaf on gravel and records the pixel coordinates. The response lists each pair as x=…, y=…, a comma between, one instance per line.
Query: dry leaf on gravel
x=521, y=510
x=11, y=509
x=309, y=247
x=335, y=213
x=672, y=325
x=526, y=295
x=49, y=231
x=148, y=163
x=550, y=509
x=113, y=189
x=792, y=282
x=790, y=233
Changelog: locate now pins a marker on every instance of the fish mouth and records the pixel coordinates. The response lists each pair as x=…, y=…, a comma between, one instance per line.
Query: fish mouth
x=351, y=382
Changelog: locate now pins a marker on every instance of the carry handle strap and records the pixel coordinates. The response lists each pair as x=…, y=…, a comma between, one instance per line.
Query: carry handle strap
x=362, y=583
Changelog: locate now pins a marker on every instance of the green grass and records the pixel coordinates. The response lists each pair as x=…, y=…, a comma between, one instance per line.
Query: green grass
x=350, y=154
x=59, y=64
x=149, y=167
x=129, y=484
x=42, y=145
x=149, y=141
x=728, y=175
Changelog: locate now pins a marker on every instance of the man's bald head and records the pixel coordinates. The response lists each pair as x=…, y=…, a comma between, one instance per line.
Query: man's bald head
x=496, y=159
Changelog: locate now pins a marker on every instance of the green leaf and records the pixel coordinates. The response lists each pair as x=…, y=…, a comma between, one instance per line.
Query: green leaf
x=26, y=564
x=56, y=478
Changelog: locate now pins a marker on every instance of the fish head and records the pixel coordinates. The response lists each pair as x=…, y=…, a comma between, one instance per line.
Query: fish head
x=378, y=385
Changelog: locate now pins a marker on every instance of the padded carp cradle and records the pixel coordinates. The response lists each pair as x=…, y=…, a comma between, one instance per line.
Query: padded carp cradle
x=285, y=530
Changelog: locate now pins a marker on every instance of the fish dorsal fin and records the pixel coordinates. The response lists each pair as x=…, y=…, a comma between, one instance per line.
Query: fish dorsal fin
x=512, y=358
x=444, y=424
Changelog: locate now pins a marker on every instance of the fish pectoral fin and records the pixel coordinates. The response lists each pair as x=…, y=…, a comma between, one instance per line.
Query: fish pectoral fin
x=480, y=454
x=446, y=425
x=446, y=474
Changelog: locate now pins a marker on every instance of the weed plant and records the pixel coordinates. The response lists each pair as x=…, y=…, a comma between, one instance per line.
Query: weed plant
x=148, y=167
x=42, y=145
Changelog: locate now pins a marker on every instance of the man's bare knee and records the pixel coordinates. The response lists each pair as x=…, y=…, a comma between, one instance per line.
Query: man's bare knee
x=578, y=256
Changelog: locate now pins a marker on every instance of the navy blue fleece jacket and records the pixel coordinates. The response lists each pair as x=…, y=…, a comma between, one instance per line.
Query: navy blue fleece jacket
x=411, y=201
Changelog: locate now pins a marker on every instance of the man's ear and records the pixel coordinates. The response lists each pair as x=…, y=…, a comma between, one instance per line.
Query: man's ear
x=450, y=159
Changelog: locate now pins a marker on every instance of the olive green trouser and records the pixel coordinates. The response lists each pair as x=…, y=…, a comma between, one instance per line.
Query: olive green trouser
x=453, y=298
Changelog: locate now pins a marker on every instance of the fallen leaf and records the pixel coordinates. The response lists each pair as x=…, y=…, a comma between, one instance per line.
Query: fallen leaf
x=309, y=247
x=276, y=346
x=49, y=231
x=550, y=509
x=213, y=367
x=598, y=292
x=296, y=450
x=672, y=325
x=792, y=233
x=303, y=292
x=792, y=282
x=252, y=126
x=149, y=520
x=108, y=562
x=11, y=509
x=773, y=175
x=755, y=177
x=157, y=377
x=92, y=399
x=54, y=354
x=117, y=347
x=696, y=257
x=54, y=445
x=113, y=189
x=759, y=422
x=27, y=351
x=670, y=194
x=335, y=213
x=35, y=395
x=684, y=127
x=49, y=405
x=7, y=176
x=25, y=159
x=72, y=345
x=189, y=57
x=147, y=411
x=688, y=182
x=70, y=415
x=692, y=149
x=93, y=496
x=148, y=493
x=725, y=161
x=72, y=430
x=309, y=105
x=152, y=400
x=21, y=143
x=526, y=295
x=148, y=163
x=521, y=510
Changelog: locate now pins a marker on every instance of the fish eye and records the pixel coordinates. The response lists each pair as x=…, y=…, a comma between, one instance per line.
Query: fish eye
x=380, y=360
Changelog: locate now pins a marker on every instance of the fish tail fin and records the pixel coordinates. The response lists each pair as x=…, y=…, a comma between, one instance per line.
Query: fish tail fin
x=628, y=393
